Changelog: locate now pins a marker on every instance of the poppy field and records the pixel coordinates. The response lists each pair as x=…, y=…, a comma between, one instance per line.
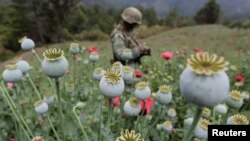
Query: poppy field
x=196, y=76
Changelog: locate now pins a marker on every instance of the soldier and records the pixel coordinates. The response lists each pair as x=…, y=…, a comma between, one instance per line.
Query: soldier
x=123, y=38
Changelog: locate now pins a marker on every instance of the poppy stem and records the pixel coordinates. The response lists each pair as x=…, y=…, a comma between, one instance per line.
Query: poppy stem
x=74, y=72
x=60, y=106
x=34, y=87
x=100, y=119
x=197, y=116
x=15, y=112
x=80, y=123
x=110, y=113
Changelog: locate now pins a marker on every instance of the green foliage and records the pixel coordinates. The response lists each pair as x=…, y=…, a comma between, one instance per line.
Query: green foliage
x=5, y=55
x=174, y=20
x=242, y=24
x=209, y=14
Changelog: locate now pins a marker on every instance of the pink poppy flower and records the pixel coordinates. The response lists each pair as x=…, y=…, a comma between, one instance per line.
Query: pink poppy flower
x=167, y=55
x=138, y=73
x=147, y=107
x=240, y=78
x=10, y=85
x=198, y=51
x=92, y=49
x=116, y=102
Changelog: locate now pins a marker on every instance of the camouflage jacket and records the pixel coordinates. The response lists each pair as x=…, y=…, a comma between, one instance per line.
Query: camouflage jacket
x=121, y=40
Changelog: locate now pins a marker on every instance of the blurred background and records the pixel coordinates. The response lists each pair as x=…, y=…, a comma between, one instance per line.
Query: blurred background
x=54, y=21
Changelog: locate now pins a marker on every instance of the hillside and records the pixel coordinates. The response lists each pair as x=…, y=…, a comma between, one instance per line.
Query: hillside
x=212, y=38
x=234, y=9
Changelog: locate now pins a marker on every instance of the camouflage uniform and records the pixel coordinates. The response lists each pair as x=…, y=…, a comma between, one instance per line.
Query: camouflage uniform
x=122, y=39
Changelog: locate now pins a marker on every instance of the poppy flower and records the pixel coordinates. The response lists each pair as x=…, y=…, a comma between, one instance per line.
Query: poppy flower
x=198, y=51
x=12, y=139
x=167, y=55
x=116, y=102
x=92, y=49
x=239, y=78
x=138, y=74
x=10, y=85
x=145, y=108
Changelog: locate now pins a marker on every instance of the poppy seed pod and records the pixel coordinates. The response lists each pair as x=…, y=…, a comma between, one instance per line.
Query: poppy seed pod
x=98, y=73
x=38, y=138
x=206, y=112
x=204, y=81
x=238, y=119
x=23, y=66
x=201, y=130
x=221, y=109
x=11, y=74
x=234, y=100
x=48, y=98
x=142, y=90
x=128, y=74
x=94, y=56
x=127, y=135
x=26, y=43
x=111, y=84
x=164, y=95
x=188, y=122
x=118, y=67
x=172, y=112
x=74, y=48
x=41, y=107
x=132, y=107
x=167, y=126
x=54, y=64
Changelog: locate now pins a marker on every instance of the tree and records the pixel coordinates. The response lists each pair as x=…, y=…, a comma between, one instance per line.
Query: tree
x=209, y=14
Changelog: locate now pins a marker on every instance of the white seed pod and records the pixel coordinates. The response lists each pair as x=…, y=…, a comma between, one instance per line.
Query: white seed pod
x=128, y=74
x=142, y=90
x=201, y=130
x=11, y=74
x=188, y=122
x=206, y=112
x=74, y=48
x=41, y=107
x=98, y=74
x=23, y=66
x=172, y=112
x=237, y=119
x=132, y=107
x=111, y=84
x=48, y=98
x=221, y=109
x=204, y=81
x=27, y=43
x=54, y=65
x=234, y=99
x=167, y=126
x=245, y=95
x=118, y=67
x=164, y=95
x=94, y=57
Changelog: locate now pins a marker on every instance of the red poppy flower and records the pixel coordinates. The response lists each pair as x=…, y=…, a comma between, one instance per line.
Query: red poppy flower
x=148, y=104
x=239, y=78
x=137, y=73
x=12, y=139
x=198, y=51
x=92, y=49
x=116, y=102
x=167, y=55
